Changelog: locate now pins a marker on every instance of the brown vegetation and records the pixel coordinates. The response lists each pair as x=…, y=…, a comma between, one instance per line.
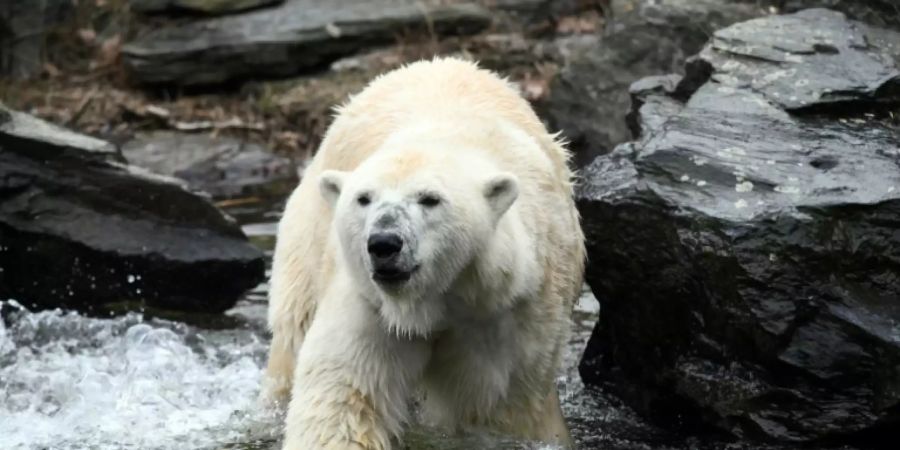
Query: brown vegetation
x=84, y=86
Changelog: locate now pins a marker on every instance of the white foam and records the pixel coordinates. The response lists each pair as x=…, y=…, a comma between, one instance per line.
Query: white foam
x=68, y=382
x=71, y=382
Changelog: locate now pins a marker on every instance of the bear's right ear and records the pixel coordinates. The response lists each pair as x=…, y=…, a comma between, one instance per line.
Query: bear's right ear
x=330, y=184
x=501, y=191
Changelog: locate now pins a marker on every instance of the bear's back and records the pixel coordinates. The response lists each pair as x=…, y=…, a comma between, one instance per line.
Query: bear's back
x=443, y=87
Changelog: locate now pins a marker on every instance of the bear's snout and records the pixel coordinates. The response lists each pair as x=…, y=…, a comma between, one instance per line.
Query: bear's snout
x=384, y=246
x=388, y=262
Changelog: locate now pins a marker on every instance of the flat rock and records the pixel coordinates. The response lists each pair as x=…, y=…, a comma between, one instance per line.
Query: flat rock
x=745, y=248
x=296, y=36
x=790, y=60
x=212, y=7
x=80, y=229
x=17, y=127
x=221, y=166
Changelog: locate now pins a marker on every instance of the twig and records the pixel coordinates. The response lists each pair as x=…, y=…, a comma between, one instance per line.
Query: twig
x=97, y=73
x=429, y=25
x=237, y=202
x=220, y=125
x=82, y=106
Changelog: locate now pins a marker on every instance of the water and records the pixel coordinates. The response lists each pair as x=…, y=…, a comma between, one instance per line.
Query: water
x=73, y=382
x=69, y=381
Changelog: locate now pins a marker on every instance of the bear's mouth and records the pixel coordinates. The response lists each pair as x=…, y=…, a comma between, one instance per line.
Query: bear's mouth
x=393, y=275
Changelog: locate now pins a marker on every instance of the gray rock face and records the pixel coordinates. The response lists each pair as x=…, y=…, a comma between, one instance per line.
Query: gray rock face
x=790, y=60
x=220, y=166
x=746, y=248
x=213, y=7
x=80, y=229
x=589, y=98
x=298, y=35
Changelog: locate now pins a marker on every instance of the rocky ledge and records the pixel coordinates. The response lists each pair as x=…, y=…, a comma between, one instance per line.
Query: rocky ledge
x=746, y=247
x=285, y=40
x=80, y=228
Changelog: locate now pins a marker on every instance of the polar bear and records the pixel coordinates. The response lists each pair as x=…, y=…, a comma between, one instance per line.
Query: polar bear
x=432, y=252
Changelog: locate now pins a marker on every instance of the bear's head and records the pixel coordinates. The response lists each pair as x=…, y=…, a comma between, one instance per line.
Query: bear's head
x=410, y=218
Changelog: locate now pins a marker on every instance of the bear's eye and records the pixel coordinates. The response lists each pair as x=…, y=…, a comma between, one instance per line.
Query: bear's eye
x=429, y=200
x=363, y=199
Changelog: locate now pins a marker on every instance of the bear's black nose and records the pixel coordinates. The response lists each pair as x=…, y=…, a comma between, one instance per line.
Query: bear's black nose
x=384, y=245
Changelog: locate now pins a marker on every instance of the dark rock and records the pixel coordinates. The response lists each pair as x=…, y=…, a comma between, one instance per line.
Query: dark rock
x=221, y=166
x=212, y=7
x=16, y=127
x=299, y=35
x=80, y=229
x=883, y=13
x=746, y=248
x=23, y=33
x=525, y=7
x=589, y=98
x=537, y=11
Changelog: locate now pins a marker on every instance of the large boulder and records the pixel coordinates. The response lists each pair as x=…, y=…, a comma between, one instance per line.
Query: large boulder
x=298, y=35
x=589, y=97
x=81, y=229
x=746, y=248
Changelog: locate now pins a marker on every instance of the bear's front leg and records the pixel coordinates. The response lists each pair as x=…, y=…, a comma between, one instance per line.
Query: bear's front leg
x=353, y=380
x=276, y=384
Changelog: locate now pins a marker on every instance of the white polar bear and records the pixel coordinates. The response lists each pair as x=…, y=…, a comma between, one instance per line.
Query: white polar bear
x=432, y=252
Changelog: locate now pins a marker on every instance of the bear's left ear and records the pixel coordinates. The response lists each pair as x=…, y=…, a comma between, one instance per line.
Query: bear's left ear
x=501, y=191
x=330, y=184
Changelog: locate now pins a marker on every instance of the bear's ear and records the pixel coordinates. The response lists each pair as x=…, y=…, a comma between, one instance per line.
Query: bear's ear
x=501, y=191
x=330, y=184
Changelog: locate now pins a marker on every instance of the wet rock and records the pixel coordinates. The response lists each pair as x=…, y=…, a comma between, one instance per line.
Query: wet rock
x=299, y=35
x=213, y=7
x=80, y=229
x=746, y=248
x=220, y=166
x=589, y=98
x=794, y=67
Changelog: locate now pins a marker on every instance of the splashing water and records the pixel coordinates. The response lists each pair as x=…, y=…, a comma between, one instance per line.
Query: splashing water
x=68, y=381
x=72, y=382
